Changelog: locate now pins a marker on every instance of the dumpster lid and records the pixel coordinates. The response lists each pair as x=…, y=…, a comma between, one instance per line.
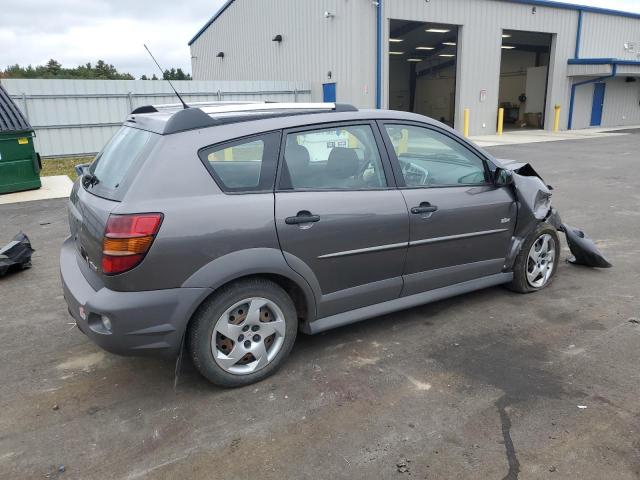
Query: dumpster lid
x=11, y=118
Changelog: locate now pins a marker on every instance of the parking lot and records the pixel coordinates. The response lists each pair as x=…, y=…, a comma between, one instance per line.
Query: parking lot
x=489, y=385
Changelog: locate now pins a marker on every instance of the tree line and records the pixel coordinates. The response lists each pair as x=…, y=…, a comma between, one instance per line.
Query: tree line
x=98, y=71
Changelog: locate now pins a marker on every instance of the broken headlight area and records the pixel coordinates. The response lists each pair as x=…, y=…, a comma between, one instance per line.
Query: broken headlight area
x=16, y=255
x=534, y=201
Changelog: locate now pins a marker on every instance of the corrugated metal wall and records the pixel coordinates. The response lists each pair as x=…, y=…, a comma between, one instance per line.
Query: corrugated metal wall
x=73, y=117
x=346, y=45
x=605, y=36
x=312, y=45
x=479, y=49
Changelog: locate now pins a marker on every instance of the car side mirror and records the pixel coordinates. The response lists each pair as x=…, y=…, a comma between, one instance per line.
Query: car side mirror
x=502, y=177
x=81, y=168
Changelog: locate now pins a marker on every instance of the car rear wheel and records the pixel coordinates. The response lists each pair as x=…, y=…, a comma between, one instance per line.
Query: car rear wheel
x=243, y=333
x=537, y=262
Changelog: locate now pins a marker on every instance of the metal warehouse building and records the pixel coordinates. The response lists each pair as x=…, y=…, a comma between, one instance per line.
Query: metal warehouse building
x=437, y=57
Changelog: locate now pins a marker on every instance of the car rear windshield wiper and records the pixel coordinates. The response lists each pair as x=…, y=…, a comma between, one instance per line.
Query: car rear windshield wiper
x=89, y=180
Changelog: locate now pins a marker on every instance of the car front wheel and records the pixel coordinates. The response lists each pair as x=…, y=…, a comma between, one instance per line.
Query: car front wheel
x=537, y=262
x=243, y=333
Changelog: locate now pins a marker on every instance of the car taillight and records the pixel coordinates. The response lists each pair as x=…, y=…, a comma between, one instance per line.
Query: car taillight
x=127, y=239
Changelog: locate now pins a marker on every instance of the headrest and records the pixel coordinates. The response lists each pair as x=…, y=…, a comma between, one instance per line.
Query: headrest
x=296, y=156
x=342, y=163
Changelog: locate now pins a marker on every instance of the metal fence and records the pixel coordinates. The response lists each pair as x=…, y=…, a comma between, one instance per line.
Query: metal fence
x=77, y=117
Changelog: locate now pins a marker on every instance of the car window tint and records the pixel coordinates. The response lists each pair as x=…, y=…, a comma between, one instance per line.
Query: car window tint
x=430, y=158
x=117, y=158
x=244, y=165
x=344, y=157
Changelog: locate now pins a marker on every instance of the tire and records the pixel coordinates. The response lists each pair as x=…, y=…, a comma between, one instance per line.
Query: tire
x=523, y=265
x=244, y=310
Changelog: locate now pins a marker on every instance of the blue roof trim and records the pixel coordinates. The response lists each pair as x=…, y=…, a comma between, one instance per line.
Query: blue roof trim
x=211, y=20
x=602, y=61
x=540, y=3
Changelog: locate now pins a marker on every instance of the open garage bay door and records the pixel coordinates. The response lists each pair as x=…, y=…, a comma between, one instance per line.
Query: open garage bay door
x=524, y=73
x=422, y=68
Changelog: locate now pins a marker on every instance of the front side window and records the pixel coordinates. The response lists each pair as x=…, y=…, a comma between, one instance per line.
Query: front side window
x=430, y=158
x=246, y=165
x=344, y=157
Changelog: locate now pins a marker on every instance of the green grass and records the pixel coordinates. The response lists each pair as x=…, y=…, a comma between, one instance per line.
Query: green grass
x=62, y=166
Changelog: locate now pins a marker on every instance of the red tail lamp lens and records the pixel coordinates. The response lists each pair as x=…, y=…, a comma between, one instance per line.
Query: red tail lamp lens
x=127, y=239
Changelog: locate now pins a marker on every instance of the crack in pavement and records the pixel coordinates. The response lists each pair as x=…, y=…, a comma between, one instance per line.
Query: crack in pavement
x=514, y=465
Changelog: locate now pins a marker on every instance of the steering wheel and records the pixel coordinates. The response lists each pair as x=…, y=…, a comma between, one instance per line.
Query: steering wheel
x=473, y=177
x=415, y=174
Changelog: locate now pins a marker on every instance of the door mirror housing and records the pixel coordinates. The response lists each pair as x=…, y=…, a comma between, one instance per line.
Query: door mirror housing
x=80, y=169
x=502, y=177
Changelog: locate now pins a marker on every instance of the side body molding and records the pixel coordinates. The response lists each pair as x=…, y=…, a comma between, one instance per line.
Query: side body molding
x=252, y=261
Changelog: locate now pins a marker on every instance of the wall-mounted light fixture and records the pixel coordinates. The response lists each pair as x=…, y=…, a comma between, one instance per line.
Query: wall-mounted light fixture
x=277, y=38
x=329, y=74
x=220, y=55
x=328, y=14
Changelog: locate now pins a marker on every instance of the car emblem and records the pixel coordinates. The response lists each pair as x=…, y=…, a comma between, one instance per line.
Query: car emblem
x=505, y=220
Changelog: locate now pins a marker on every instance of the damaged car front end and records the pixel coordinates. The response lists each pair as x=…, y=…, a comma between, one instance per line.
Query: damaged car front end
x=534, y=206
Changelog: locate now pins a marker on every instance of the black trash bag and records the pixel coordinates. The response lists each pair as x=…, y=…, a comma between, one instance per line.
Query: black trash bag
x=16, y=254
x=584, y=250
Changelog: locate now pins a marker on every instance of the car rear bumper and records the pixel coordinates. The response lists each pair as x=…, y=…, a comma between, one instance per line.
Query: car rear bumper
x=142, y=323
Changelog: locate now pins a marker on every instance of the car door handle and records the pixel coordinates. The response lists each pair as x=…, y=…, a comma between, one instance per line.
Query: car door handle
x=424, y=207
x=303, y=216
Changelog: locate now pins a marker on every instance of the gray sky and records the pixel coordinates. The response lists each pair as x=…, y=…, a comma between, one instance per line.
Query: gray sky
x=78, y=31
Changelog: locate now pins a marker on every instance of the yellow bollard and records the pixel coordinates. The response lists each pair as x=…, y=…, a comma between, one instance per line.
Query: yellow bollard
x=466, y=122
x=556, y=118
x=500, y=120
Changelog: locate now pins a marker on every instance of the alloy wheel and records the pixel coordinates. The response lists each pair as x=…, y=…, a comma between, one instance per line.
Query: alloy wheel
x=248, y=336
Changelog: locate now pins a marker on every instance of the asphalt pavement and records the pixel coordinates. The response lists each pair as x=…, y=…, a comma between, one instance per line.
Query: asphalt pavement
x=491, y=385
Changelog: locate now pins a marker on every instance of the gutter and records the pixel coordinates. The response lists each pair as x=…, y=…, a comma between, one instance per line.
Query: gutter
x=379, y=54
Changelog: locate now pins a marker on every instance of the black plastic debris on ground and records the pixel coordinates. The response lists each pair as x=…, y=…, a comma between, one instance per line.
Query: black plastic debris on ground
x=16, y=255
x=584, y=250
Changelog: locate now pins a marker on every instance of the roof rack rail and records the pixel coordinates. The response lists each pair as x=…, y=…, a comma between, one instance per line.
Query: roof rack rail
x=178, y=106
x=255, y=107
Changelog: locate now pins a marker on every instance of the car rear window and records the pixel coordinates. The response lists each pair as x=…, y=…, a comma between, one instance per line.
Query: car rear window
x=117, y=160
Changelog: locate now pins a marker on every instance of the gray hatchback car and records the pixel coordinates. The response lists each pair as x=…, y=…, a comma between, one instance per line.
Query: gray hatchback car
x=225, y=228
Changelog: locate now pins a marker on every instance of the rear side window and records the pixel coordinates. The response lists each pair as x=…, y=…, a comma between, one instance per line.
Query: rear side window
x=117, y=159
x=246, y=165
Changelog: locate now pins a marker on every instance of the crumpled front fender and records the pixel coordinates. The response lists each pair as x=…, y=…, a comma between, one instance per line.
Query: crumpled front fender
x=534, y=206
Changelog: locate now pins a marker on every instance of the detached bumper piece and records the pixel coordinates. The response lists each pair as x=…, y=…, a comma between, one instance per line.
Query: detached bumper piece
x=584, y=250
x=16, y=255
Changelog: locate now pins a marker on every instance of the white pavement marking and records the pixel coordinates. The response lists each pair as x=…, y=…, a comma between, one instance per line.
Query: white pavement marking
x=58, y=186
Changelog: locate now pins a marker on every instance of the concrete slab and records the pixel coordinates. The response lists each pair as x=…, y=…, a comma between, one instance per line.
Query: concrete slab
x=516, y=137
x=58, y=186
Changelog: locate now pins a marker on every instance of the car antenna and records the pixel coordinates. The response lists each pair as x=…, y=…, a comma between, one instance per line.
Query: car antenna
x=162, y=73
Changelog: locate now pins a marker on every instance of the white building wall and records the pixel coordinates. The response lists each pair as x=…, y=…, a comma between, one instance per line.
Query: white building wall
x=345, y=45
x=312, y=45
x=479, y=52
x=604, y=36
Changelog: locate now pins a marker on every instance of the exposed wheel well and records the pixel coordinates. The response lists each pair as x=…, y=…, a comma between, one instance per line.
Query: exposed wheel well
x=293, y=290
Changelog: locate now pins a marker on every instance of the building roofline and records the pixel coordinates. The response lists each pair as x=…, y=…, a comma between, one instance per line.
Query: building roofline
x=541, y=3
x=211, y=20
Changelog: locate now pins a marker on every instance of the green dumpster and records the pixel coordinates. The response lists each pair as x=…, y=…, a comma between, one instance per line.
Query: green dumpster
x=19, y=163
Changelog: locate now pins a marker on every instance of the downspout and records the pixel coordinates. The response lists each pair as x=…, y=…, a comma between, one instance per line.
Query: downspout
x=585, y=82
x=379, y=54
x=578, y=35
x=573, y=90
